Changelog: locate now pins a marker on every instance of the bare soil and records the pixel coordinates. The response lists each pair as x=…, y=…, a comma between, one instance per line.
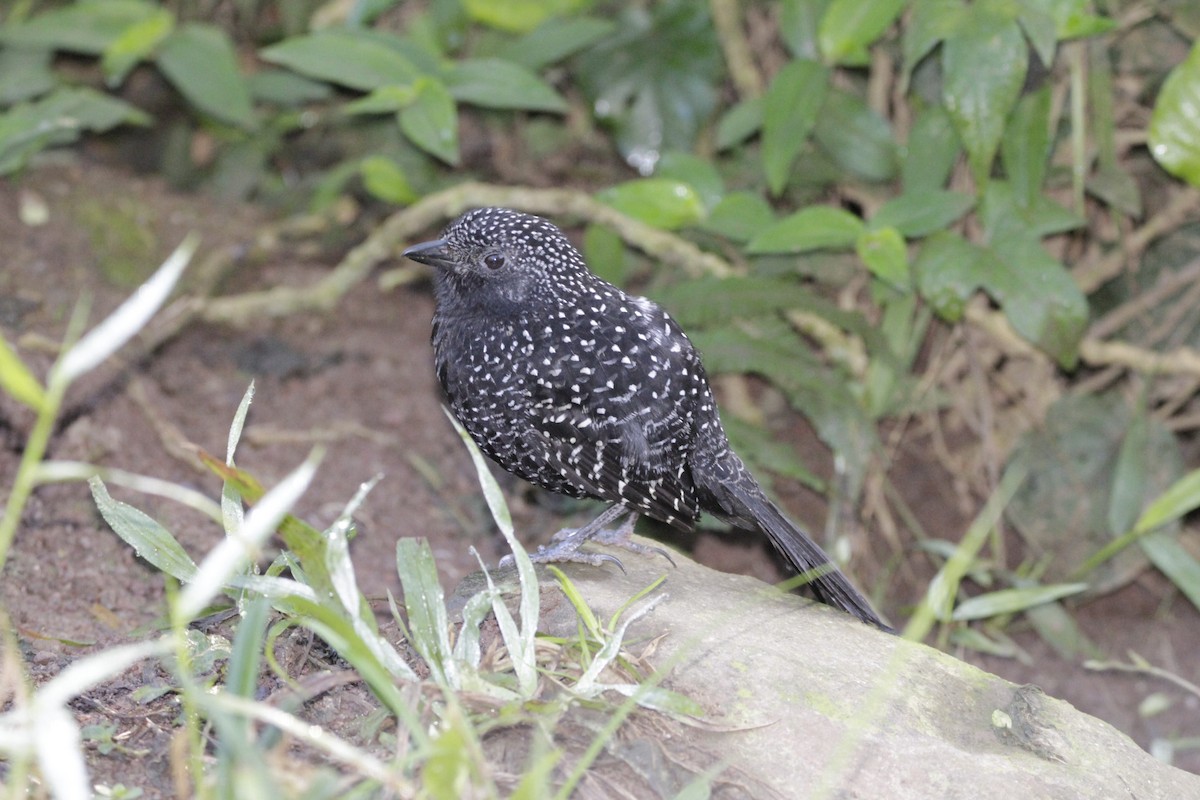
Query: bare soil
x=358, y=382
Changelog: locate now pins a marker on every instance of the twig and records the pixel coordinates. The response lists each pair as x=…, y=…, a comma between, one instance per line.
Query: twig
x=1182, y=204
x=430, y=212
x=1167, y=287
x=1141, y=666
x=736, y=47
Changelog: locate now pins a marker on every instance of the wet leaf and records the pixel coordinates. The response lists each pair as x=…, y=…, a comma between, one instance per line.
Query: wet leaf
x=984, y=67
x=699, y=173
x=660, y=202
x=1026, y=147
x=653, y=79
x=431, y=121
x=1175, y=123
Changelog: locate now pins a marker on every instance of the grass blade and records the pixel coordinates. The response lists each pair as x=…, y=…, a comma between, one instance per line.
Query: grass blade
x=148, y=539
x=232, y=553
x=130, y=317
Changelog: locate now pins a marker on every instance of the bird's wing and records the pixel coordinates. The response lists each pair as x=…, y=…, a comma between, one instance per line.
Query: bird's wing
x=619, y=421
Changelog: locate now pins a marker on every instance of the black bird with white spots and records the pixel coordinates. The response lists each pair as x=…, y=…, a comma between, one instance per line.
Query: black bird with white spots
x=572, y=384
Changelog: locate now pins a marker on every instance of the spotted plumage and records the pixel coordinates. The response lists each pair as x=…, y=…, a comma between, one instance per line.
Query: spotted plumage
x=572, y=384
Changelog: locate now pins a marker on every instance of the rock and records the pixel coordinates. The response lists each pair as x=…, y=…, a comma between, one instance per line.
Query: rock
x=804, y=701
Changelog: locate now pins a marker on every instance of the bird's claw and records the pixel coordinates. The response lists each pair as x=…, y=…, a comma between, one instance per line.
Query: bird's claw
x=556, y=555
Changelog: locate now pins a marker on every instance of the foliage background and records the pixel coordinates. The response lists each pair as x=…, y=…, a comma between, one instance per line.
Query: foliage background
x=966, y=229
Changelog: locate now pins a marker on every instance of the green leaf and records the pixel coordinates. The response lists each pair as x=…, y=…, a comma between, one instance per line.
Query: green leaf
x=1039, y=27
x=920, y=213
x=790, y=109
x=949, y=271
x=384, y=179
x=740, y=216
x=148, y=539
x=850, y=26
x=492, y=83
x=1036, y=292
x=554, y=40
x=604, y=251
x=931, y=22
x=384, y=100
x=284, y=88
x=660, y=202
x=1170, y=556
x=24, y=74
x=884, y=252
x=654, y=80
x=428, y=622
x=799, y=21
x=431, y=122
x=89, y=26
x=931, y=153
x=1011, y=601
x=518, y=16
x=699, y=173
x=135, y=43
x=1130, y=475
x=713, y=302
x=58, y=118
x=1183, y=497
x=351, y=59
x=1069, y=19
x=17, y=380
x=739, y=123
x=200, y=62
x=812, y=228
x=1026, y=147
x=1175, y=123
x=984, y=68
x=859, y=140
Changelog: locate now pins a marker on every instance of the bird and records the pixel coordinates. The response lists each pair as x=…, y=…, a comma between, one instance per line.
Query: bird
x=568, y=382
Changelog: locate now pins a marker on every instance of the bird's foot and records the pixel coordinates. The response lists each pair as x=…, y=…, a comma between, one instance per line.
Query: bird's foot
x=565, y=545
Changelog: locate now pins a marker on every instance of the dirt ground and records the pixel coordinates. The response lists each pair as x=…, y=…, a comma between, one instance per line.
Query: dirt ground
x=359, y=381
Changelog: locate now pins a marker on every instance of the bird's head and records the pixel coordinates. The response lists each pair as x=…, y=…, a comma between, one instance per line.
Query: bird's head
x=498, y=257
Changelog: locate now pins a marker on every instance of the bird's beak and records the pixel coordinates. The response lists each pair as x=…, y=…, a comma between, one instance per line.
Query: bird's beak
x=435, y=254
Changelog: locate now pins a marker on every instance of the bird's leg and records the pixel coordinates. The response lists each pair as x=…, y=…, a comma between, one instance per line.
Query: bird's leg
x=620, y=536
x=564, y=545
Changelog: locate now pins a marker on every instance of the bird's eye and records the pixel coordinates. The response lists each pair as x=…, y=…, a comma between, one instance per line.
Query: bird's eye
x=493, y=260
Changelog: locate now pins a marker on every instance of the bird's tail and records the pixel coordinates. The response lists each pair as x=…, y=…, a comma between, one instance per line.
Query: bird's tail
x=731, y=493
x=824, y=578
